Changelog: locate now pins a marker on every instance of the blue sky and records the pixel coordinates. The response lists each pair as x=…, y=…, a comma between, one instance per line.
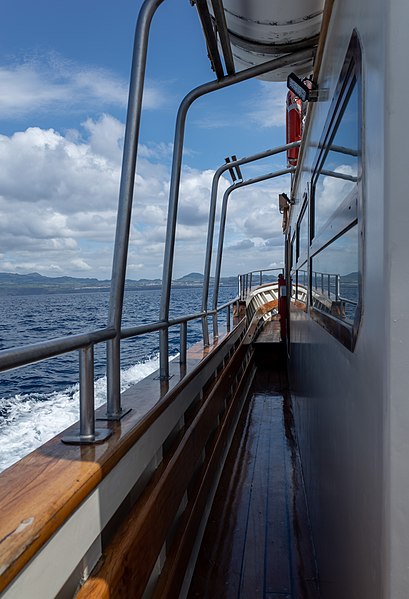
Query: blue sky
x=64, y=70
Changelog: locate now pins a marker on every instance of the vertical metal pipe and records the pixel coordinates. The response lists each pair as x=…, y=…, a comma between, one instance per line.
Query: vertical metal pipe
x=205, y=331
x=338, y=287
x=215, y=326
x=164, y=353
x=329, y=286
x=261, y=277
x=114, y=378
x=183, y=342
x=251, y=280
x=125, y=199
x=219, y=255
x=228, y=318
x=87, y=415
x=322, y=283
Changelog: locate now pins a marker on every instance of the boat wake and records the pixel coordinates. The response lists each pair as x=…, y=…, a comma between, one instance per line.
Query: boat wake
x=29, y=420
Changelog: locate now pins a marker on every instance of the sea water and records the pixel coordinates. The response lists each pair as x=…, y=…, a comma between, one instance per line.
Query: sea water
x=41, y=400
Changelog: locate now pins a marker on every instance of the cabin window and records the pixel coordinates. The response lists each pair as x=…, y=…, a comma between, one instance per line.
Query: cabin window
x=338, y=175
x=335, y=277
x=335, y=252
x=302, y=284
x=303, y=233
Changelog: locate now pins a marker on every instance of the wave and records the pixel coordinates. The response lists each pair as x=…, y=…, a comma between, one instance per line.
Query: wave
x=30, y=420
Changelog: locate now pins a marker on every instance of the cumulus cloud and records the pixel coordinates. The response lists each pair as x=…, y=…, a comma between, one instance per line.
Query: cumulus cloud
x=51, y=81
x=59, y=196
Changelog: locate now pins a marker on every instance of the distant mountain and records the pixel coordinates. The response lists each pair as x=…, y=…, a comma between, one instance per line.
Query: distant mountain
x=193, y=276
x=34, y=283
x=352, y=277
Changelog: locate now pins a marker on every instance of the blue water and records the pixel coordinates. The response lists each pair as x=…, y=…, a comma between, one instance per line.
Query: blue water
x=38, y=401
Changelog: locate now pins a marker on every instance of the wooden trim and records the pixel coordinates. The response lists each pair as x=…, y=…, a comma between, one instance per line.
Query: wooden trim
x=172, y=577
x=130, y=558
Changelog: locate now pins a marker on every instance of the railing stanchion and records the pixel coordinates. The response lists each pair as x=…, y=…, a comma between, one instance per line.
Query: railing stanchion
x=183, y=342
x=261, y=277
x=215, y=326
x=114, y=410
x=251, y=281
x=205, y=331
x=87, y=432
x=164, y=354
x=228, y=318
x=126, y=190
x=87, y=400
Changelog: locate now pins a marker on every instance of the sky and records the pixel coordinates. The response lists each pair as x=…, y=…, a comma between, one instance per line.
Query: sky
x=64, y=71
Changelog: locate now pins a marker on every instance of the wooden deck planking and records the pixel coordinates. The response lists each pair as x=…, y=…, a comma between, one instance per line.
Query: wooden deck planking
x=257, y=543
x=270, y=332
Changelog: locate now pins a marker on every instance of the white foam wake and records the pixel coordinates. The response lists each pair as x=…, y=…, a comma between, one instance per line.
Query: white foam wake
x=32, y=419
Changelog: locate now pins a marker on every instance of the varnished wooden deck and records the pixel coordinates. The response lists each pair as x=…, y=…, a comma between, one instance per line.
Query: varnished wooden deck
x=257, y=544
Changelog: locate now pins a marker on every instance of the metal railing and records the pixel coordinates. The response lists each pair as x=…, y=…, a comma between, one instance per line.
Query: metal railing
x=85, y=343
x=329, y=284
x=255, y=278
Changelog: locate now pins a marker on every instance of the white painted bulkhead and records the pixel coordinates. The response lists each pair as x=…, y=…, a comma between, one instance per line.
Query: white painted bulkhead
x=351, y=408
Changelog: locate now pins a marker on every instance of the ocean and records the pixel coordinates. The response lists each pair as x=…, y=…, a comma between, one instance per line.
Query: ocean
x=39, y=401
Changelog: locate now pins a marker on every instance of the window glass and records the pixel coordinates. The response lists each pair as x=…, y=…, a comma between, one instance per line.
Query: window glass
x=341, y=161
x=335, y=278
x=302, y=284
x=303, y=234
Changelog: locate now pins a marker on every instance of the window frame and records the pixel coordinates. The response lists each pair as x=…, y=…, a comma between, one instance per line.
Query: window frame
x=350, y=212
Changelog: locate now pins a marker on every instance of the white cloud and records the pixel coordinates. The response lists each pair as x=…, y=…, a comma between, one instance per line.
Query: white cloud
x=59, y=195
x=50, y=82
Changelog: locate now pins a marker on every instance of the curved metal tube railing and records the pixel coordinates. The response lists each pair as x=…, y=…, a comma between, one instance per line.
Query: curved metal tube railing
x=212, y=217
x=223, y=217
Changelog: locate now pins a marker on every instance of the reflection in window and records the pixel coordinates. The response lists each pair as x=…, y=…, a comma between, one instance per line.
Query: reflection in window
x=335, y=278
x=303, y=234
x=339, y=172
x=302, y=284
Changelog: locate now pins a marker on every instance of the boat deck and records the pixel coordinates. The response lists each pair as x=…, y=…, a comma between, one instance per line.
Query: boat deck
x=257, y=544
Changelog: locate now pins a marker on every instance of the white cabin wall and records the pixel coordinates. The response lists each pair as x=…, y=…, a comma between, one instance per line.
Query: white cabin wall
x=397, y=268
x=339, y=396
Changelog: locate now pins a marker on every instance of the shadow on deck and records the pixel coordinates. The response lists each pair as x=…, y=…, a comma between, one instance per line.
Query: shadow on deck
x=257, y=544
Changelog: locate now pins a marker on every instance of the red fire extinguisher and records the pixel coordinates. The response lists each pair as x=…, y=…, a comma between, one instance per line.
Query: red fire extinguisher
x=282, y=306
x=293, y=126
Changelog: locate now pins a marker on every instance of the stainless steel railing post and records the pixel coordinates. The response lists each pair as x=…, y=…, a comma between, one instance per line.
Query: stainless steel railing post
x=87, y=400
x=87, y=432
x=228, y=318
x=164, y=353
x=113, y=348
x=261, y=277
x=183, y=342
x=132, y=127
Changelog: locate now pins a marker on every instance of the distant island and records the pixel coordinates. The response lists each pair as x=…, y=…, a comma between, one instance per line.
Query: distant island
x=35, y=284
